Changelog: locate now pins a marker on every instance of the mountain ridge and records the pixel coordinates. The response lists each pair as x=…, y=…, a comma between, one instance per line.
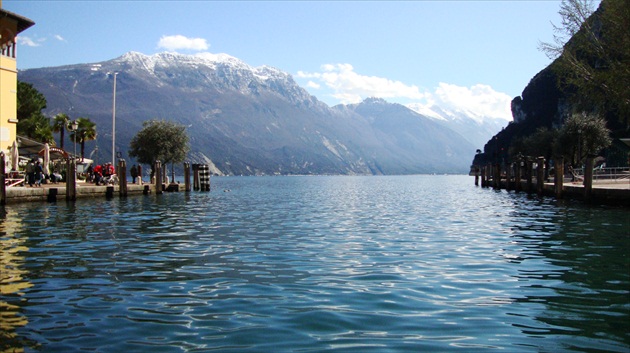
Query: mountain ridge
x=248, y=120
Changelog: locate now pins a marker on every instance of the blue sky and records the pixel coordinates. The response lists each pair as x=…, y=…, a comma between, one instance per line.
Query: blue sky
x=474, y=55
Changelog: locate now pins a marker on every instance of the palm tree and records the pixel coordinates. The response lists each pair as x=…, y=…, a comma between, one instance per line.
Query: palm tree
x=60, y=124
x=86, y=131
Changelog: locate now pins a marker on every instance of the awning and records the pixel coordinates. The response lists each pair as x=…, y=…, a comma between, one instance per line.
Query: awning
x=28, y=147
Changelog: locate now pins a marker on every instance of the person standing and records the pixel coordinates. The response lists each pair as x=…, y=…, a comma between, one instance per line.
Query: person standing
x=134, y=173
x=98, y=174
x=39, y=173
x=30, y=173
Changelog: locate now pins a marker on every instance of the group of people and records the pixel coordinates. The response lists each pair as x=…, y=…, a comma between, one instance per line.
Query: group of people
x=101, y=173
x=34, y=173
x=106, y=174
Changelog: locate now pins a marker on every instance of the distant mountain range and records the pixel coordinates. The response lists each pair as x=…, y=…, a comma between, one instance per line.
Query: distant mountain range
x=245, y=120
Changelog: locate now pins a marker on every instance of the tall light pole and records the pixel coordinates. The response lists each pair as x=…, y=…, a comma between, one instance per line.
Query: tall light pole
x=114, y=123
x=74, y=126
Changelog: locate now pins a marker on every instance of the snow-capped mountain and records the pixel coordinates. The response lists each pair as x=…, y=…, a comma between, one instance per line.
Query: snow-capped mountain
x=475, y=128
x=249, y=120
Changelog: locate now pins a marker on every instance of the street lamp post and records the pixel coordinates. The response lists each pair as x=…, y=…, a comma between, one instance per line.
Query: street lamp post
x=114, y=122
x=74, y=126
x=580, y=148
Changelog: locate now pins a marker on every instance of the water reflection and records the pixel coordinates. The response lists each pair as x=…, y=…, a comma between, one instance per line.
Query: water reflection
x=12, y=279
x=574, y=266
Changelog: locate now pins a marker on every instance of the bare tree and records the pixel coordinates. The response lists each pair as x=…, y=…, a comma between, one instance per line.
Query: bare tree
x=592, y=55
x=574, y=14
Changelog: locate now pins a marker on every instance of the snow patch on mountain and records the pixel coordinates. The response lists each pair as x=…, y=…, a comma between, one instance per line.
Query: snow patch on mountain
x=200, y=60
x=474, y=127
x=425, y=110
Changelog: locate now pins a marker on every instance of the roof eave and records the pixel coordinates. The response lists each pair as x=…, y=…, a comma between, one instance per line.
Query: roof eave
x=23, y=22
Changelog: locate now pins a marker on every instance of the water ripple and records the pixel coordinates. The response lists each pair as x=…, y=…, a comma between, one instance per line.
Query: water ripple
x=307, y=264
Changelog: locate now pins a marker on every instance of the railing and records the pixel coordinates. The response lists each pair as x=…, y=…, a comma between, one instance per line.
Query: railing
x=602, y=175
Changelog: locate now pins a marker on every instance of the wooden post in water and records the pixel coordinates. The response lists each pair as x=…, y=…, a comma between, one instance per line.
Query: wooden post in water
x=517, y=178
x=482, y=171
x=3, y=186
x=540, y=175
x=109, y=191
x=476, y=171
x=139, y=174
x=186, y=176
x=71, y=179
x=52, y=195
x=158, y=177
x=195, y=168
x=558, y=179
x=530, y=171
x=508, y=177
x=487, y=175
x=164, y=173
x=122, y=178
x=496, y=177
x=588, y=178
x=204, y=177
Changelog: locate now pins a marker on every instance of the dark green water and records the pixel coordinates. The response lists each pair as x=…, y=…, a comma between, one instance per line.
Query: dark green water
x=312, y=264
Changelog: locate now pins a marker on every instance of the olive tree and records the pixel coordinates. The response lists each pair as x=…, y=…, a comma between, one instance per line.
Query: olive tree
x=161, y=140
x=582, y=135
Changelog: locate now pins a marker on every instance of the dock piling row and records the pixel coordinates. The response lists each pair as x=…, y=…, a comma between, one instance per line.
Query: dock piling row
x=71, y=188
x=531, y=175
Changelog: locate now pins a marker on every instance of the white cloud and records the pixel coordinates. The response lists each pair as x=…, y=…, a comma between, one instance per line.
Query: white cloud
x=59, y=38
x=350, y=87
x=177, y=42
x=28, y=41
x=346, y=86
x=480, y=99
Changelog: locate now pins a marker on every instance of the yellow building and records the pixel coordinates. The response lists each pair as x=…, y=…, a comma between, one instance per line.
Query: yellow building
x=10, y=26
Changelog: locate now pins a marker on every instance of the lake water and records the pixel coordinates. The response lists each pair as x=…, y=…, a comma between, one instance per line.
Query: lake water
x=312, y=264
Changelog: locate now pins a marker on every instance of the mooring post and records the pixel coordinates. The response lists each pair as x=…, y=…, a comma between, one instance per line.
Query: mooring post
x=3, y=186
x=109, y=191
x=476, y=171
x=71, y=179
x=195, y=168
x=204, y=177
x=186, y=176
x=139, y=174
x=517, y=178
x=165, y=174
x=508, y=176
x=497, y=175
x=490, y=172
x=530, y=171
x=482, y=170
x=540, y=176
x=489, y=179
x=122, y=178
x=558, y=178
x=588, y=178
x=158, y=177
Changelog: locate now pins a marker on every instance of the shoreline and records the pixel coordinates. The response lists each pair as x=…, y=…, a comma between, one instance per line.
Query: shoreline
x=605, y=193
x=57, y=192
